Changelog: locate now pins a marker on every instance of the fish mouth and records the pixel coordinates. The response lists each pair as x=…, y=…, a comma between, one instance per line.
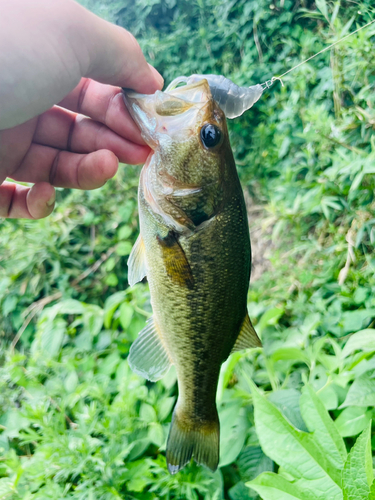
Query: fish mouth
x=173, y=115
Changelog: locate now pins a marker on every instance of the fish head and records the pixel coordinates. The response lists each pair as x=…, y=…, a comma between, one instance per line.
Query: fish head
x=187, y=131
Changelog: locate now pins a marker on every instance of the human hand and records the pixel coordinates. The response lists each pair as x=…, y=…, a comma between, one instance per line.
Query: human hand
x=60, y=53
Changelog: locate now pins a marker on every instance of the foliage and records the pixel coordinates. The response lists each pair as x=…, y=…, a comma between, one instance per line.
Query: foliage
x=75, y=422
x=313, y=465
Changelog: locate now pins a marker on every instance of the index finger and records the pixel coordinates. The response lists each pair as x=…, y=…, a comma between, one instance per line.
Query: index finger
x=104, y=104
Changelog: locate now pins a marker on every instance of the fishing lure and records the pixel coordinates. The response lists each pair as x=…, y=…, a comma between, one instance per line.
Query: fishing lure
x=231, y=98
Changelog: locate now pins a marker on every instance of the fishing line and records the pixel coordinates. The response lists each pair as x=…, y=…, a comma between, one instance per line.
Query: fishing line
x=268, y=83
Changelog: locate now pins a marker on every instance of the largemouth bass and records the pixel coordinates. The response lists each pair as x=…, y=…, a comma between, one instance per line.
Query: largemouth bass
x=194, y=248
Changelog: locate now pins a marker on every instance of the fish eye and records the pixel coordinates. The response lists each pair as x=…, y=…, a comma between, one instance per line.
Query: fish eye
x=210, y=135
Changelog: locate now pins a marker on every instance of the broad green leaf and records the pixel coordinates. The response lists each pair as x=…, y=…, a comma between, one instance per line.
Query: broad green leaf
x=322, y=6
x=6, y=488
x=329, y=397
x=353, y=420
x=147, y=413
x=363, y=340
x=124, y=232
x=110, y=306
x=320, y=423
x=241, y=492
x=71, y=381
x=13, y=421
x=233, y=426
x=70, y=306
x=355, y=320
x=270, y=317
x=361, y=392
x=124, y=248
x=293, y=449
x=292, y=353
x=288, y=402
x=51, y=336
x=252, y=462
x=126, y=314
x=372, y=491
x=272, y=486
x=357, y=475
x=156, y=434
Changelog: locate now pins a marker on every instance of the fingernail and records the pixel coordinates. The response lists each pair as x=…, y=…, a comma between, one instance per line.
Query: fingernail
x=157, y=76
x=52, y=200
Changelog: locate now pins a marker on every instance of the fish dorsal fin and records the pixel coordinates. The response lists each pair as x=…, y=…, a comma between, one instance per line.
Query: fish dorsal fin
x=137, y=262
x=148, y=357
x=247, y=336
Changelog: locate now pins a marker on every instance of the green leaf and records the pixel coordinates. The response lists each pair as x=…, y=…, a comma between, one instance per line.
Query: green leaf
x=293, y=449
x=252, y=462
x=361, y=392
x=320, y=423
x=71, y=381
x=233, y=426
x=272, y=486
x=147, y=413
x=329, y=397
x=270, y=317
x=124, y=248
x=357, y=475
x=111, y=279
x=322, y=6
x=6, y=488
x=51, y=336
x=110, y=306
x=363, y=340
x=241, y=492
x=355, y=320
x=156, y=434
x=353, y=420
x=126, y=315
x=124, y=232
x=292, y=353
x=372, y=491
x=70, y=306
x=288, y=402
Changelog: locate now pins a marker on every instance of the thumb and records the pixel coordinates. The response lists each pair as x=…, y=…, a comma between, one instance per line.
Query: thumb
x=116, y=58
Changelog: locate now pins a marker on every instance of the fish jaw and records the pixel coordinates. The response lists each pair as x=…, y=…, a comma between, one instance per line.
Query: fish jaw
x=174, y=116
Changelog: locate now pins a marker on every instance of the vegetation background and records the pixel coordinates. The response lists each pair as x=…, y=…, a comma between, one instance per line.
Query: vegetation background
x=75, y=422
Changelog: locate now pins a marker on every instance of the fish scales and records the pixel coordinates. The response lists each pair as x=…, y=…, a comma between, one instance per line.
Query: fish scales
x=194, y=247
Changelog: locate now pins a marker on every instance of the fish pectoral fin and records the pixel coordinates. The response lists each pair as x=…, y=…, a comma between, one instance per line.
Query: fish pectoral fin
x=247, y=337
x=148, y=356
x=137, y=262
x=176, y=263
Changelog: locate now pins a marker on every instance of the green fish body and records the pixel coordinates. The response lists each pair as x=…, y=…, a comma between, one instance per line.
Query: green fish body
x=194, y=248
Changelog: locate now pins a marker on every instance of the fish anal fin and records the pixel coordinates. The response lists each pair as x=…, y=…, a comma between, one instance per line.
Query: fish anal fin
x=148, y=356
x=137, y=262
x=247, y=336
x=175, y=260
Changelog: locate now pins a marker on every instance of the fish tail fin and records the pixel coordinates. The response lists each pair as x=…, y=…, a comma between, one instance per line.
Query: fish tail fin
x=189, y=439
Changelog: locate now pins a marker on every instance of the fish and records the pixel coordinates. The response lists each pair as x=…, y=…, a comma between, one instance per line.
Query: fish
x=194, y=248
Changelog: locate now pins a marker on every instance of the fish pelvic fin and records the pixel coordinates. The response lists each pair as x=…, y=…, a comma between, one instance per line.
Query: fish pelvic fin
x=187, y=439
x=137, y=262
x=247, y=337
